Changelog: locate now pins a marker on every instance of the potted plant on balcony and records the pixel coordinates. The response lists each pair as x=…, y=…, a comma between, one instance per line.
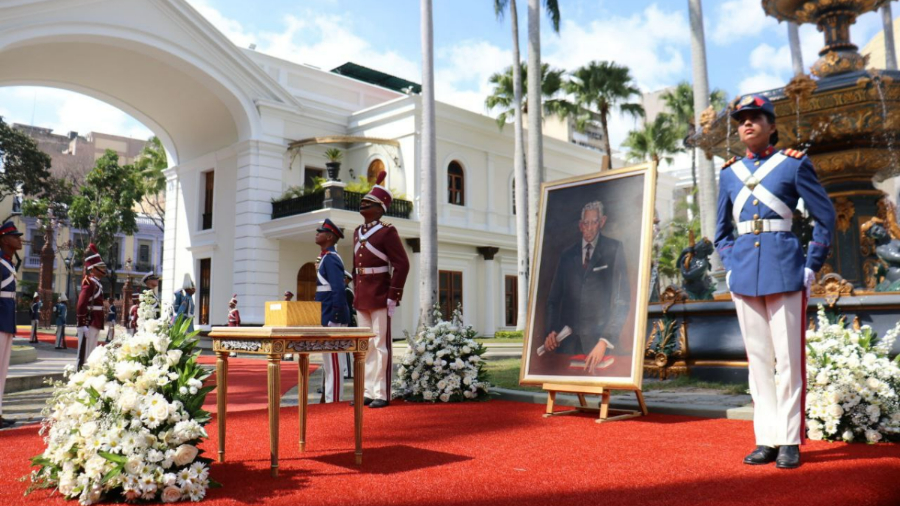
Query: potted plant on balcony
x=334, y=156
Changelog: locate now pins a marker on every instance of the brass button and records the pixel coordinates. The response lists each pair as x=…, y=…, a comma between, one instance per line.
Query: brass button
x=755, y=202
x=756, y=244
x=755, y=216
x=756, y=163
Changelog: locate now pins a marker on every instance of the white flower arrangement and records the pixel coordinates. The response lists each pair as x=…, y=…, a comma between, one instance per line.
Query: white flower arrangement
x=443, y=363
x=128, y=425
x=853, y=385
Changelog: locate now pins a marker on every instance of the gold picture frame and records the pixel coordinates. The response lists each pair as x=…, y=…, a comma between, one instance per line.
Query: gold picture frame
x=622, y=192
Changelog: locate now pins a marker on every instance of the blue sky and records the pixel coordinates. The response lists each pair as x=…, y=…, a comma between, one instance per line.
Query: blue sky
x=746, y=51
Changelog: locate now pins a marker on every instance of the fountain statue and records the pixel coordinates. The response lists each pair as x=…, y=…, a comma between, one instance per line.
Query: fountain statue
x=887, y=248
x=694, y=265
x=846, y=119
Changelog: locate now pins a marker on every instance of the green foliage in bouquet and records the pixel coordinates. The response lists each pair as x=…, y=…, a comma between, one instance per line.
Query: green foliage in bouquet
x=443, y=363
x=853, y=385
x=128, y=425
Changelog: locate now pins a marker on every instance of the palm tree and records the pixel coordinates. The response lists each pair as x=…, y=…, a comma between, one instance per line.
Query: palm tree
x=796, y=54
x=520, y=183
x=535, y=166
x=150, y=163
x=706, y=171
x=598, y=88
x=680, y=103
x=552, y=88
x=656, y=141
x=427, y=166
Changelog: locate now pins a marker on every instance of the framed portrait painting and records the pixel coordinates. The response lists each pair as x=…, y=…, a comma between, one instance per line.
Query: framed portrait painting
x=590, y=277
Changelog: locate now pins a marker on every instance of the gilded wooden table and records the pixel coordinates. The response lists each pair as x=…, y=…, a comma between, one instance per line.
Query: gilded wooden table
x=274, y=343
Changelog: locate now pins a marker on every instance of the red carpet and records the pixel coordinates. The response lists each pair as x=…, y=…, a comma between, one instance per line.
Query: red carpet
x=50, y=338
x=248, y=383
x=504, y=453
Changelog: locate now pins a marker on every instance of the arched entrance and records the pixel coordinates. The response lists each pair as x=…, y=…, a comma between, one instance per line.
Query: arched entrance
x=306, y=282
x=375, y=168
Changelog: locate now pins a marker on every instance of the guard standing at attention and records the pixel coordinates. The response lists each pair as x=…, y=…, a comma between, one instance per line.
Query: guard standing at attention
x=234, y=316
x=112, y=317
x=131, y=324
x=10, y=243
x=36, y=305
x=335, y=312
x=767, y=273
x=89, y=310
x=62, y=310
x=380, y=268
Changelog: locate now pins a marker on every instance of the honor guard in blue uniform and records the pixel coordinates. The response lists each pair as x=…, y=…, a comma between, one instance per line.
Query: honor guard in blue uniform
x=36, y=305
x=10, y=243
x=768, y=274
x=335, y=312
x=62, y=310
x=184, y=301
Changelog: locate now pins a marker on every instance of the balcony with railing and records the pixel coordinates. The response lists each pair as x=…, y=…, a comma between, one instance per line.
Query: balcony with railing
x=334, y=198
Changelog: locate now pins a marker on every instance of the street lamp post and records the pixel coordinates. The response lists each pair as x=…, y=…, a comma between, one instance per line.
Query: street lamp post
x=46, y=270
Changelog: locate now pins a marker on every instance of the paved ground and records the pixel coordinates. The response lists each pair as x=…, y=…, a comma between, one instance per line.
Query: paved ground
x=26, y=392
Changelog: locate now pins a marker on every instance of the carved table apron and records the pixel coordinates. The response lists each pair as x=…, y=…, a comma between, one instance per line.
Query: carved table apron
x=274, y=343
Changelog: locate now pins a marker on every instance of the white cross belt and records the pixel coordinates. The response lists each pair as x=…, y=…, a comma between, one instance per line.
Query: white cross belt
x=753, y=186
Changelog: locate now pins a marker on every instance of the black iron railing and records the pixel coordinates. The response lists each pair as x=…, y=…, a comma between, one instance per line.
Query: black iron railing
x=316, y=201
x=298, y=205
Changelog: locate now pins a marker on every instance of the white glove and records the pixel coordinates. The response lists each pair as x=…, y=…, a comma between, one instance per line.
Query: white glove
x=728, y=279
x=391, y=307
x=808, y=278
x=333, y=324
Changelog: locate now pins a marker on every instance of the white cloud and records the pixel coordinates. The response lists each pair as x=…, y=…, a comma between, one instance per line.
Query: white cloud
x=737, y=19
x=766, y=57
x=762, y=81
x=229, y=27
x=463, y=70
x=66, y=111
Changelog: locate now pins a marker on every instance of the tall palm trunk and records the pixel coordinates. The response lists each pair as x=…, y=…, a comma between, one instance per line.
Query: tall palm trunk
x=535, y=166
x=521, y=182
x=890, y=51
x=705, y=169
x=604, y=125
x=427, y=168
x=796, y=54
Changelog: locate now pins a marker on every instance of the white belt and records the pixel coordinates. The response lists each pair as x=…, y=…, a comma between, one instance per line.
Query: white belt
x=7, y=295
x=759, y=226
x=323, y=288
x=372, y=270
x=95, y=308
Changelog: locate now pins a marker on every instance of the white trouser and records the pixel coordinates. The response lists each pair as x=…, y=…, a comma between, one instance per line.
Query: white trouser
x=335, y=370
x=60, y=336
x=87, y=341
x=6, y=341
x=34, y=328
x=378, y=357
x=111, y=332
x=774, y=335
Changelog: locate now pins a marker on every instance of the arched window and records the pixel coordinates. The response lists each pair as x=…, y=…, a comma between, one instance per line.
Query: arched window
x=375, y=168
x=306, y=282
x=456, y=184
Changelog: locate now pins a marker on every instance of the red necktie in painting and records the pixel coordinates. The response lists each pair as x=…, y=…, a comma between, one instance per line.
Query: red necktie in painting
x=587, y=255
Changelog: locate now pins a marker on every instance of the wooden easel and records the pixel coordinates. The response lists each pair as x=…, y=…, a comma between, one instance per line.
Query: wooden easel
x=604, y=409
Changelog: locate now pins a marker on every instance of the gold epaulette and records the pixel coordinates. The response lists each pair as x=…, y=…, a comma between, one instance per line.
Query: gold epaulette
x=793, y=153
x=729, y=163
x=385, y=224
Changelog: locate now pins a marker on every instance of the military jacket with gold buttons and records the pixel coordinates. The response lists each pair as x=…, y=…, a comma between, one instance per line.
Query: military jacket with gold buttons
x=757, y=197
x=380, y=266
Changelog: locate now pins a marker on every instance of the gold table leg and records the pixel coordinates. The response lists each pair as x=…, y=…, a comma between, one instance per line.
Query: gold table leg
x=359, y=381
x=221, y=398
x=274, y=370
x=303, y=394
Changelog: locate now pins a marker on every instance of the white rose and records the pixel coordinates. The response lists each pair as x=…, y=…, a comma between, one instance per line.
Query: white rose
x=873, y=436
x=445, y=397
x=133, y=466
x=835, y=410
x=822, y=378
x=171, y=494
x=185, y=454
x=88, y=429
x=815, y=435
x=173, y=356
x=847, y=435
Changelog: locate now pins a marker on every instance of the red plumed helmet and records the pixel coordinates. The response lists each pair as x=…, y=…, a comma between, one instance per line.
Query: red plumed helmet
x=379, y=193
x=92, y=258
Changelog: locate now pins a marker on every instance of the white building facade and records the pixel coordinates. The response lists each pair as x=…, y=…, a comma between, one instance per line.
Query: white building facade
x=227, y=116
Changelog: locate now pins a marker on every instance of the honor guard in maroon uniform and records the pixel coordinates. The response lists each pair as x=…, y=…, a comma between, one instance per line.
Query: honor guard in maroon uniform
x=381, y=265
x=132, y=318
x=10, y=243
x=89, y=312
x=234, y=316
x=288, y=295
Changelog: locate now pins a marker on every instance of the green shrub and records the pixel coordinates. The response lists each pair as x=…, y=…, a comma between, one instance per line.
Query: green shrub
x=508, y=334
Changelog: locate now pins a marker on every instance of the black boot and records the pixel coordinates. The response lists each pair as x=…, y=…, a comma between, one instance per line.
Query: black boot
x=761, y=455
x=788, y=457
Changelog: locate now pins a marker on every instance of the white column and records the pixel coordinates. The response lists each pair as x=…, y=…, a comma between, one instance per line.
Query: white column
x=491, y=209
x=172, y=228
x=256, y=259
x=488, y=303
